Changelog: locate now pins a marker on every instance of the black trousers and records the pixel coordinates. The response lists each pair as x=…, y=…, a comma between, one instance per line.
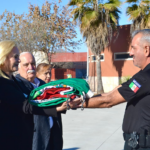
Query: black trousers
x=56, y=142
x=126, y=147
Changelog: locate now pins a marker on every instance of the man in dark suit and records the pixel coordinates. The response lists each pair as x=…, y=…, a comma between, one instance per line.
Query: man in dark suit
x=47, y=130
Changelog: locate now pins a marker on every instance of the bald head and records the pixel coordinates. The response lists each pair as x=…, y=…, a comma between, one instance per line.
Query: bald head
x=27, y=66
x=26, y=54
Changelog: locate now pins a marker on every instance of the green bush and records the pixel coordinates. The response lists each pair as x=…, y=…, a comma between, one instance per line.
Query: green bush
x=124, y=79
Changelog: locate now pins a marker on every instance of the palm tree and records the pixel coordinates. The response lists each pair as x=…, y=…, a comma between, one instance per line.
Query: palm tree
x=139, y=13
x=97, y=22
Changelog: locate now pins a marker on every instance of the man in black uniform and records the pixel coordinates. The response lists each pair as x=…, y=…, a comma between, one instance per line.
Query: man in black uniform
x=136, y=92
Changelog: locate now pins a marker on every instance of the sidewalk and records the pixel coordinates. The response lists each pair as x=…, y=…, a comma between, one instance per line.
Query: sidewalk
x=94, y=129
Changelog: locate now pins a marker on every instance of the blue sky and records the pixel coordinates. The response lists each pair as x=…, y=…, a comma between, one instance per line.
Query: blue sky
x=21, y=6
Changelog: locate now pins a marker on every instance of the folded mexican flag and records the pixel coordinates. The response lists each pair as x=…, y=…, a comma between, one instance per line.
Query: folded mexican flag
x=56, y=92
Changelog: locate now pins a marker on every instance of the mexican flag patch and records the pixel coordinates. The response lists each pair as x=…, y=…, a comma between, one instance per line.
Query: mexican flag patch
x=134, y=86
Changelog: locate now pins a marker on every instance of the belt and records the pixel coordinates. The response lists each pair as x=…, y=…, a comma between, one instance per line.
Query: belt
x=132, y=139
x=143, y=140
x=126, y=136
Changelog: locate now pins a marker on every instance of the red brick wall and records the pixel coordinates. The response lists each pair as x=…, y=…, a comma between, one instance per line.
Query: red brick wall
x=66, y=57
x=69, y=57
x=60, y=73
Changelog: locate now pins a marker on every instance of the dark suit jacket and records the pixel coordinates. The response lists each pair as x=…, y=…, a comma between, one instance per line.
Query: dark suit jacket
x=41, y=128
x=15, y=114
x=43, y=138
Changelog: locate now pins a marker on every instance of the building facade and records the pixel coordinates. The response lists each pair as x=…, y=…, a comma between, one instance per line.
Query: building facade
x=115, y=62
x=65, y=64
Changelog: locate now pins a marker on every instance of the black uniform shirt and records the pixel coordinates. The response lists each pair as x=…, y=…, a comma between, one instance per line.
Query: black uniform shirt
x=136, y=92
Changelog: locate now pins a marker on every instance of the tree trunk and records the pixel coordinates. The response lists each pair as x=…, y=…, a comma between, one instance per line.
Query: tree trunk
x=99, y=78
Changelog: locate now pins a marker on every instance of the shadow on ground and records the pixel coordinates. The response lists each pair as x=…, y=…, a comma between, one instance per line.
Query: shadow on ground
x=74, y=148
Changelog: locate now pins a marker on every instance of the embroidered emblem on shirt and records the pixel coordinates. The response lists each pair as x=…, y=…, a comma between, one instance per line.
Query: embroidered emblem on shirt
x=134, y=86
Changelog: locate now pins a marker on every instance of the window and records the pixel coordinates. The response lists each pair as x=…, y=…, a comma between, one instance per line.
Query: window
x=94, y=58
x=102, y=57
x=122, y=56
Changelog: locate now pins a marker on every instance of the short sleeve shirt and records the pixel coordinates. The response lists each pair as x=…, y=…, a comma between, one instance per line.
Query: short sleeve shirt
x=136, y=92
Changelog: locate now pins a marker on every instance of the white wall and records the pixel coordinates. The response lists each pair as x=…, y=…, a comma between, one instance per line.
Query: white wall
x=109, y=83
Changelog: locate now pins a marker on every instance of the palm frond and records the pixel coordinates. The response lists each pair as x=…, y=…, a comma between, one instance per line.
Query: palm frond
x=75, y=10
x=88, y=17
x=145, y=2
x=112, y=5
x=96, y=24
x=115, y=15
x=148, y=21
x=135, y=14
x=132, y=1
x=113, y=18
x=131, y=9
x=76, y=3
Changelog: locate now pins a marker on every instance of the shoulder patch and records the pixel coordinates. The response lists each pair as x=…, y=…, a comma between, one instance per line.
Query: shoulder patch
x=134, y=86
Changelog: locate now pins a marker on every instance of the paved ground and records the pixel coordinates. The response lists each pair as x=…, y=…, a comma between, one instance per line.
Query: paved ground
x=94, y=129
